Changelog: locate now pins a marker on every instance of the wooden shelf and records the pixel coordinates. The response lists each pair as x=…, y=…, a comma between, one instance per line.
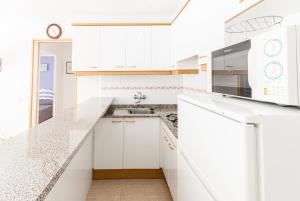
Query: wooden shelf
x=154, y=72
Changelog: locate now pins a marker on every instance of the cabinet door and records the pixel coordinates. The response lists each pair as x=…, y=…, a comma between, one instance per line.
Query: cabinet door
x=172, y=169
x=161, y=149
x=85, y=48
x=161, y=48
x=138, y=48
x=164, y=149
x=108, y=144
x=141, y=143
x=112, y=48
x=75, y=182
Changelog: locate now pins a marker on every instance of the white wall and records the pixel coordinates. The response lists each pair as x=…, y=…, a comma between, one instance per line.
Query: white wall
x=199, y=30
x=24, y=21
x=15, y=79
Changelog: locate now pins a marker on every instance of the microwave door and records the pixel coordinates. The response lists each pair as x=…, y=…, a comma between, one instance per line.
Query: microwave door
x=236, y=64
x=230, y=70
x=232, y=82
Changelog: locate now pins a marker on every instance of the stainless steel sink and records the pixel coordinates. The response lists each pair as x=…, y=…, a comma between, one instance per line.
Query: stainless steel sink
x=133, y=111
x=141, y=111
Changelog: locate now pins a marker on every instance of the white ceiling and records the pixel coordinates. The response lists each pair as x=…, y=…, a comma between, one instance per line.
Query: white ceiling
x=143, y=9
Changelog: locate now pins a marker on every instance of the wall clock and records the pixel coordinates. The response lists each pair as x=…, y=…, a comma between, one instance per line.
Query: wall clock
x=54, y=31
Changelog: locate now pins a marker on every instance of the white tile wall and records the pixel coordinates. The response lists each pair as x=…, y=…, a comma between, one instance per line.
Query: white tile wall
x=158, y=89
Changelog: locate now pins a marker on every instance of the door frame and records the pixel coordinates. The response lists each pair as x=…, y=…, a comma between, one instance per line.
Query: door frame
x=35, y=82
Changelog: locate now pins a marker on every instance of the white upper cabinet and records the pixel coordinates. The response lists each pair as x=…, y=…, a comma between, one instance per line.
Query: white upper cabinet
x=138, y=48
x=119, y=48
x=112, y=48
x=85, y=48
x=161, y=48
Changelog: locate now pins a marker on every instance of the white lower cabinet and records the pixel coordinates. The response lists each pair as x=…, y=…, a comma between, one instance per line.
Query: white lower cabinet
x=141, y=143
x=189, y=186
x=75, y=182
x=172, y=170
x=130, y=143
x=108, y=141
x=168, y=159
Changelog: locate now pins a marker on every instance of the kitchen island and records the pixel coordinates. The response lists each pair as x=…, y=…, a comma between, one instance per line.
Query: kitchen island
x=33, y=162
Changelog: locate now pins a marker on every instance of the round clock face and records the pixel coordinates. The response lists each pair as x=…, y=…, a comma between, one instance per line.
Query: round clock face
x=54, y=31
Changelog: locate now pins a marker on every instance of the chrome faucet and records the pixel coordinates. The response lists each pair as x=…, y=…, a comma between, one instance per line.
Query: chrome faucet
x=139, y=96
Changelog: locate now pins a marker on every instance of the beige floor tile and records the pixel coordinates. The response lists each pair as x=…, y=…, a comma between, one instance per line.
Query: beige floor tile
x=138, y=198
x=129, y=190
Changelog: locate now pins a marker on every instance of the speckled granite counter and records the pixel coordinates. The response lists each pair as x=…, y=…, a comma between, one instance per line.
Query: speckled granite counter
x=160, y=111
x=32, y=162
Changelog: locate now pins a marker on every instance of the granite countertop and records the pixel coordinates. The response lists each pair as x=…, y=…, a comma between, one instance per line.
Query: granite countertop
x=32, y=162
x=160, y=111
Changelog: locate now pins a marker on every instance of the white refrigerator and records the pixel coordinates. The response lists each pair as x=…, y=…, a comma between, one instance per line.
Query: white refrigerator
x=237, y=150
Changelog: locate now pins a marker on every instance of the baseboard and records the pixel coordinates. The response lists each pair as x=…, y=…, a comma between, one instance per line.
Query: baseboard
x=128, y=174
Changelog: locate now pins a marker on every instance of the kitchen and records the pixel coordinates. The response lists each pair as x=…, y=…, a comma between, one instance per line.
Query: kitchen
x=156, y=115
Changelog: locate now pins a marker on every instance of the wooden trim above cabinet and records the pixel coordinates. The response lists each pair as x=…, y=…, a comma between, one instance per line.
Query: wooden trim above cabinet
x=128, y=174
x=180, y=11
x=185, y=72
x=124, y=24
x=243, y=11
x=154, y=72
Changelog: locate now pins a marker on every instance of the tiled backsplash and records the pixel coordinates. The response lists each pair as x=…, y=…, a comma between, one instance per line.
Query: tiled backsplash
x=158, y=89
x=143, y=88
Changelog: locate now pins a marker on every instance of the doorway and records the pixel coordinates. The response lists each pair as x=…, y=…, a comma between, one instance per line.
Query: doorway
x=53, y=84
x=46, y=88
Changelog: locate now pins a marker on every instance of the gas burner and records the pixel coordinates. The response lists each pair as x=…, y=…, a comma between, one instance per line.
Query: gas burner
x=173, y=118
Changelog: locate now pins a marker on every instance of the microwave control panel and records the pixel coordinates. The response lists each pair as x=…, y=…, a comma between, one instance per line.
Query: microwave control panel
x=274, y=64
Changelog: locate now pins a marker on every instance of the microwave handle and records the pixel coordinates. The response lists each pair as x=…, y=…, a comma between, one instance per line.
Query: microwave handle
x=251, y=68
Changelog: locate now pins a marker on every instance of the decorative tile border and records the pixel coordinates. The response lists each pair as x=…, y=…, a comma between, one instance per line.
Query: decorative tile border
x=198, y=90
x=143, y=88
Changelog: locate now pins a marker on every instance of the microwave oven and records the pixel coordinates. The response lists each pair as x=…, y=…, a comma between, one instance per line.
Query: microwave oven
x=263, y=68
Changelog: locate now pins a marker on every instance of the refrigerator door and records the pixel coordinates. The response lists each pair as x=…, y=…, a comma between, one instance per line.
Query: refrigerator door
x=279, y=162
x=222, y=150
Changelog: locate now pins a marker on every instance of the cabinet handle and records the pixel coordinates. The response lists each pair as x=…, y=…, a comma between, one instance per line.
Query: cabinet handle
x=166, y=139
x=130, y=121
x=170, y=146
x=116, y=122
x=131, y=66
x=92, y=67
x=119, y=66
